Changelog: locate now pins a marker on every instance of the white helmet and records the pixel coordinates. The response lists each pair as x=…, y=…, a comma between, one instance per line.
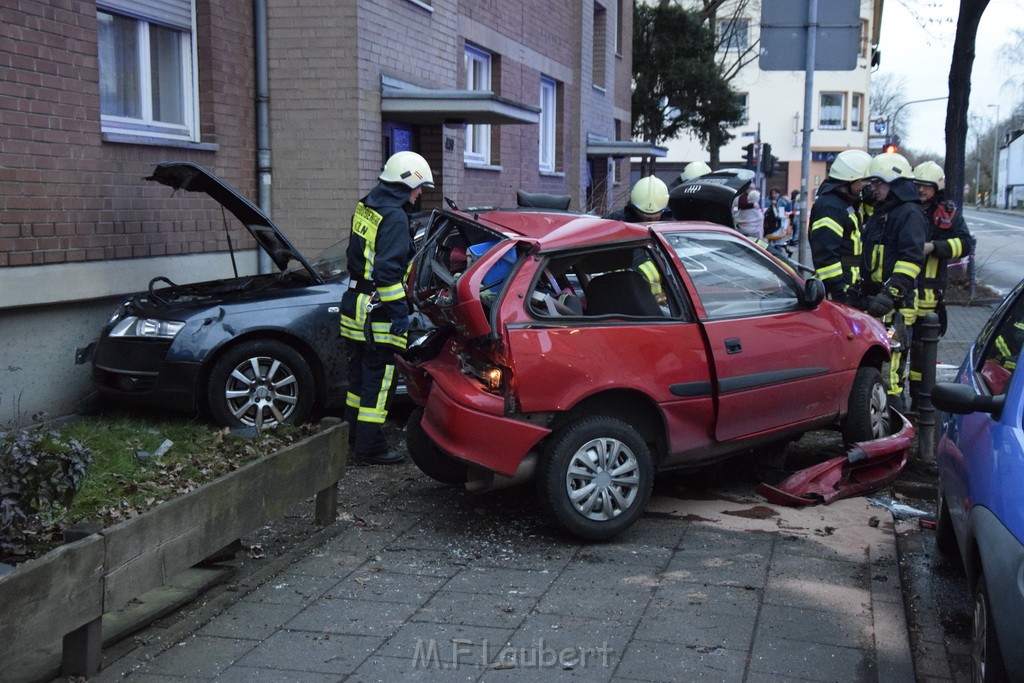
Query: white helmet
x=850, y=165
x=694, y=169
x=409, y=169
x=930, y=173
x=649, y=195
x=888, y=167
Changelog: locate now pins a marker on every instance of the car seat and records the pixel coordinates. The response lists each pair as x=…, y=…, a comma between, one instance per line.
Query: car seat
x=621, y=292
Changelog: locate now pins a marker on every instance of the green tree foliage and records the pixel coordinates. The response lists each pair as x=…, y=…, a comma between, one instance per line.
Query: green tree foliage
x=677, y=84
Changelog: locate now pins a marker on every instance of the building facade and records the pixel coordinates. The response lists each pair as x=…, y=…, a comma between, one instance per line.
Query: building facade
x=774, y=101
x=296, y=105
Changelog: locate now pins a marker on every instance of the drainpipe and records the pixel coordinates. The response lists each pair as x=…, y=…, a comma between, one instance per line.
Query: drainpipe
x=262, y=121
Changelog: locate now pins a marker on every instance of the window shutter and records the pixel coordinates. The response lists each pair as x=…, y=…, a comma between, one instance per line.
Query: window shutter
x=173, y=13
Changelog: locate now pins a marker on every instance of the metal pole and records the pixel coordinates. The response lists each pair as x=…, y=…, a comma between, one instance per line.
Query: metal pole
x=262, y=119
x=925, y=410
x=994, y=199
x=803, y=203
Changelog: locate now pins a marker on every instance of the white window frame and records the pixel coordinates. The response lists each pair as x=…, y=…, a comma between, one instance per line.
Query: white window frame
x=145, y=125
x=548, y=128
x=744, y=98
x=857, y=111
x=734, y=35
x=839, y=109
x=478, y=77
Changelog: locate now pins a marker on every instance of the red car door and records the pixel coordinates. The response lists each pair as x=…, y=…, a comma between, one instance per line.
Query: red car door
x=774, y=361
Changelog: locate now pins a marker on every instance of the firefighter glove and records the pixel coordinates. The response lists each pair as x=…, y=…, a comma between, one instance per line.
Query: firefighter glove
x=400, y=325
x=881, y=304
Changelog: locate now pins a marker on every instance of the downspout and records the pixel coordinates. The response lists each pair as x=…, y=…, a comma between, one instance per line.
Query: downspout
x=262, y=121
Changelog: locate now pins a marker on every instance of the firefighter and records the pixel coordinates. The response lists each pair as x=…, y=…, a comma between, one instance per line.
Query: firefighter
x=374, y=309
x=948, y=238
x=893, y=254
x=694, y=169
x=835, y=225
x=648, y=202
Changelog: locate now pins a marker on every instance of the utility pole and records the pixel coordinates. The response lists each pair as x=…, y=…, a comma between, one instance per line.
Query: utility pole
x=994, y=193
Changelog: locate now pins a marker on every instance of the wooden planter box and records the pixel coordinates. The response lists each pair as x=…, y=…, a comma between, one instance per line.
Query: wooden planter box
x=67, y=591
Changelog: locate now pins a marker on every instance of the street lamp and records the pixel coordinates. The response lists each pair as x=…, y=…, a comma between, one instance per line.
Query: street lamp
x=994, y=197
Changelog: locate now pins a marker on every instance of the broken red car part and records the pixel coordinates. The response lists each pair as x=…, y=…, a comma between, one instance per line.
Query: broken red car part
x=867, y=466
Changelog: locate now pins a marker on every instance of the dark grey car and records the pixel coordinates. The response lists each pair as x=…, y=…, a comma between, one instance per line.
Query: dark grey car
x=253, y=351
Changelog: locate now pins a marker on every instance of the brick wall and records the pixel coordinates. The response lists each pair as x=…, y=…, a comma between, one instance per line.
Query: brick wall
x=68, y=196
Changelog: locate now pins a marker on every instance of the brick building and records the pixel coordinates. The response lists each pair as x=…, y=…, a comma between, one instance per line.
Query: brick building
x=296, y=105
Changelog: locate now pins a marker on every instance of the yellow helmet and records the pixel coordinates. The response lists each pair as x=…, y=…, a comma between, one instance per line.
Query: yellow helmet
x=694, y=169
x=409, y=169
x=930, y=173
x=888, y=167
x=850, y=165
x=649, y=195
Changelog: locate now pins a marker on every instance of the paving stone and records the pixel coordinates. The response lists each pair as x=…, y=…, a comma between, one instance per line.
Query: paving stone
x=674, y=593
x=816, y=626
x=501, y=581
x=291, y=588
x=377, y=583
x=199, y=657
x=445, y=640
x=453, y=607
x=351, y=616
x=245, y=674
x=381, y=669
x=250, y=620
x=648, y=660
x=718, y=566
x=314, y=652
x=705, y=628
x=811, y=661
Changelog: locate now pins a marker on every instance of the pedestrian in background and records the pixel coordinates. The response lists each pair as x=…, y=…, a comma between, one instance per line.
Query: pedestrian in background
x=893, y=255
x=374, y=309
x=835, y=225
x=948, y=238
x=748, y=215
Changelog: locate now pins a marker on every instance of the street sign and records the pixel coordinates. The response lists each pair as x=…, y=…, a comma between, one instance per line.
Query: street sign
x=880, y=127
x=876, y=141
x=784, y=35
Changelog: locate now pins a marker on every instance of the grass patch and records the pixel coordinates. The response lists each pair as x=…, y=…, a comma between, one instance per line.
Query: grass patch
x=126, y=477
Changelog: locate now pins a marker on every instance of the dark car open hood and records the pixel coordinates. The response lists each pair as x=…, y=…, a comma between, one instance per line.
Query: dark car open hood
x=183, y=175
x=709, y=198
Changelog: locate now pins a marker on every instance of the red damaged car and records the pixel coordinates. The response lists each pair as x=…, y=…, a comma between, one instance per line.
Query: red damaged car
x=588, y=354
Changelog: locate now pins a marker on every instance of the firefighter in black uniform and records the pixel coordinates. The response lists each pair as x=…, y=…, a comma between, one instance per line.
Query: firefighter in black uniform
x=374, y=310
x=893, y=253
x=835, y=225
x=948, y=238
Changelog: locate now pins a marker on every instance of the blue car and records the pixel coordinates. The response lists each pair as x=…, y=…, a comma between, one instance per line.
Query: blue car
x=980, y=457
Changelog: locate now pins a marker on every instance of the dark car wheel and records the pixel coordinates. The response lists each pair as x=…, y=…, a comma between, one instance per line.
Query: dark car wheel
x=945, y=537
x=428, y=457
x=867, y=415
x=986, y=659
x=595, y=477
x=261, y=384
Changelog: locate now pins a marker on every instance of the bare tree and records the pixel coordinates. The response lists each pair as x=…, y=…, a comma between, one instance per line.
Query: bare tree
x=886, y=98
x=960, y=94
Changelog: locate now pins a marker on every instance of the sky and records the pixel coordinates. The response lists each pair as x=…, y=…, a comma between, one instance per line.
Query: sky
x=923, y=56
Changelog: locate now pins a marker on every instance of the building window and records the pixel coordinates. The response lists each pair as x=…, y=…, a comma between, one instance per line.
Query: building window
x=833, y=111
x=856, y=111
x=548, y=125
x=599, y=45
x=147, y=69
x=618, y=27
x=478, y=77
x=744, y=101
x=734, y=34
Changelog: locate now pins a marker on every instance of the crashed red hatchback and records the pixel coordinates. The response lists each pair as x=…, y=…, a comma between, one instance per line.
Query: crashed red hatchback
x=588, y=354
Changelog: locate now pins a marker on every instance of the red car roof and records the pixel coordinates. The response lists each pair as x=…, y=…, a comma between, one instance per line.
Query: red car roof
x=555, y=230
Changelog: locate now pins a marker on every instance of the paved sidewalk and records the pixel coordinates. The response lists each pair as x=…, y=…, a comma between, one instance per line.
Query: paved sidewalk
x=426, y=582
x=418, y=581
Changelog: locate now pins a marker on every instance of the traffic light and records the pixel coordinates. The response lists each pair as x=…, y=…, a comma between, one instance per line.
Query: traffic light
x=892, y=144
x=768, y=160
x=750, y=156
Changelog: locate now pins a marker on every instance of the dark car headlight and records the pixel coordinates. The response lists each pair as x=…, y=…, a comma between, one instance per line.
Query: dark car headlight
x=147, y=328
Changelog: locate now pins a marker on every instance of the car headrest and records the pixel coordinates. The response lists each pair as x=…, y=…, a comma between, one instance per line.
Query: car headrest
x=539, y=200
